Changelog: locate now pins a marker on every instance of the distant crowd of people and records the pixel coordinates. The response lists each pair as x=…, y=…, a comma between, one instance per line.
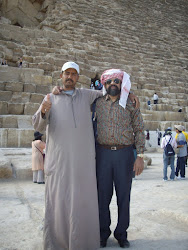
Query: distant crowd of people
x=172, y=146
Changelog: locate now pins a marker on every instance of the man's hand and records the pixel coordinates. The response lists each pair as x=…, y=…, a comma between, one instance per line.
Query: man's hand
x=46, y=105
x=138, y=165
x=56, y=90
x=135, y=100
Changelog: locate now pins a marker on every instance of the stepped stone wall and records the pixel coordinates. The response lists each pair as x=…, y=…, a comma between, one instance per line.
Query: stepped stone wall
x=147, y=39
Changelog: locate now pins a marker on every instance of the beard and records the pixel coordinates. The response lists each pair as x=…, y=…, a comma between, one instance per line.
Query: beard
x=113, y=91
x=69, y=83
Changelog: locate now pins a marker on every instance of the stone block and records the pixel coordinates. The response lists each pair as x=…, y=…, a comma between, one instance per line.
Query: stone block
x=42, y=80
x=28, y=58
x=36, y=98
x=3, y=108
x=13, y=138
x=16, y=108
x=24, y=121
x=9, y=121
x=20, y=97
x=44, y=89
x=5, y=95
x=84, y=80
x=9, y=74
x=5, y=167
x=26, y=137
x=3, y=136
x=14, y=86
x=29, y=87
x=31, y=108
x=2, y=86
x=46, y=66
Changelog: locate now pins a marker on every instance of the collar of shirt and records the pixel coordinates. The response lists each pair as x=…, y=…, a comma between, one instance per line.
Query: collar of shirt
x=107, y=98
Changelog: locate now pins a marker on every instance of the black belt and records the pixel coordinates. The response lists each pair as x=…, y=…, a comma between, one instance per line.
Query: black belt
x=115, y=147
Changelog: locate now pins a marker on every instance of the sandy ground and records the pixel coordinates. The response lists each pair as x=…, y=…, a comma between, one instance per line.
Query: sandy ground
x=159, y=212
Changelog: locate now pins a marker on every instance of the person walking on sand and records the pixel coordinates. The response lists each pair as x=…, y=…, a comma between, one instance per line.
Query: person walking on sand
x=168, y=157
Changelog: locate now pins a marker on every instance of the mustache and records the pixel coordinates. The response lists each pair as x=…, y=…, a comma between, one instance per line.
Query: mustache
x=69, y=80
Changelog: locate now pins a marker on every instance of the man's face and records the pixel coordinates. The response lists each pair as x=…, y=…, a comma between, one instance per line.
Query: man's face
x=69, y=79
x=113, y=86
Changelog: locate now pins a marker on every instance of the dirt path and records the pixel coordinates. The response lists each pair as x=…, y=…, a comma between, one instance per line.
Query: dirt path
x=159, y=213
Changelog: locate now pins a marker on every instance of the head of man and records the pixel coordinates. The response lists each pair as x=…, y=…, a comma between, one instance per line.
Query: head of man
x=69, y=75
x=112, y=80
x=178, y=128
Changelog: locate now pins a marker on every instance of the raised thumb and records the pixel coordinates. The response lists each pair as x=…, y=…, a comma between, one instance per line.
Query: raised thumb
x=48, y=98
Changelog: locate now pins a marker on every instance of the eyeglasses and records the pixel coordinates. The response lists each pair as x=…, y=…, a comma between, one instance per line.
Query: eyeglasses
x=116, y=81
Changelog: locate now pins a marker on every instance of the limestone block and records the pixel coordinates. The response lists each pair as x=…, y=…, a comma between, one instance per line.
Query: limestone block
x=14, y=86
x=84, y=79
x=8, y=53
x=20, y=97
x=25, y=137
x=13, y=137
x=27, y=75
x=152, y=125
x=174, y=116
x=3, y=108
x=16, y=108
x=36, y=98
x=43, y=89
x=9, y=74
x=3, y=136
x=25, y=121
x=31, y=108
x=46, y=80
x=5, y=167
x=46, y=66
x=2, y=86
x=5, y=95
x=9, y=121
x=183, y=103
x=22, y=12
x=29, y=87
x=28, y=58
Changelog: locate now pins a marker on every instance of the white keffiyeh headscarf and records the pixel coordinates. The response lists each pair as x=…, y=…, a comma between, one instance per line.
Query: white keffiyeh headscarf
x=125, y=86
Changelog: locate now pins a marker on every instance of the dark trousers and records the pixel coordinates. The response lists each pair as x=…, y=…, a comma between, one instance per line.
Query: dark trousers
x=180, y=166
x=159, y=140
x=114, y=168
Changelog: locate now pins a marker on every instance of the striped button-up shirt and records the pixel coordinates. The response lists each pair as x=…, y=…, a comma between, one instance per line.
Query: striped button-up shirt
x=119, y=126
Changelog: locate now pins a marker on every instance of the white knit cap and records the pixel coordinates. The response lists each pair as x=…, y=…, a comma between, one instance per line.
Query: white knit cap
x=70, y=65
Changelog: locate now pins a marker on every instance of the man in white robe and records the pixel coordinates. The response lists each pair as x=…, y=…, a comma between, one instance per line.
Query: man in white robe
x=71, y=215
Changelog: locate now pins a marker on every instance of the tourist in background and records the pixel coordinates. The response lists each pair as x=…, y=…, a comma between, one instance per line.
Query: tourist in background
x=38, y=147
x=182, y=153
x=159, y=135
x=168, y=160
x=186, y=137
x=147, y=139
x=155, y=98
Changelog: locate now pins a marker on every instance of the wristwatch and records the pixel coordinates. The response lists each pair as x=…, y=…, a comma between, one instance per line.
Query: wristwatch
x=140, y=155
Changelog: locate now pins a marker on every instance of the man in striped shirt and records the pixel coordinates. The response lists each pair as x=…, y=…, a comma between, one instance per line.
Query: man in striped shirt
x=119, y=126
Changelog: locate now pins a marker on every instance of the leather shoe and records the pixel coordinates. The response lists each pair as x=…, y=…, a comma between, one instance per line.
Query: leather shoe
x=103, y=243
x=124, y=243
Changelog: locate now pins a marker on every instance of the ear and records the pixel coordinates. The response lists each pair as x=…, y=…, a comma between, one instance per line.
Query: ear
x=61, y=75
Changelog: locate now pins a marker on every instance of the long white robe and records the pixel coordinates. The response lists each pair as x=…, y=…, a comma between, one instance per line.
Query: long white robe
x=71, y=204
